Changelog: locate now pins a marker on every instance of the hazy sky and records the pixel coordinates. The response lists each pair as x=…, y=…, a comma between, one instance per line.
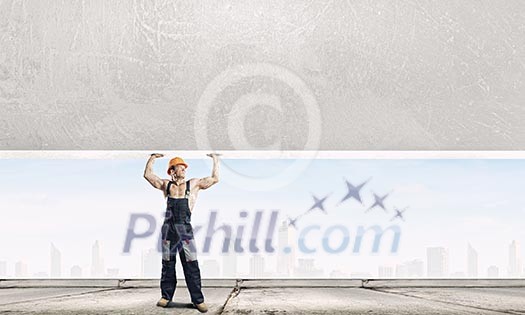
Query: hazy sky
x=451, y=202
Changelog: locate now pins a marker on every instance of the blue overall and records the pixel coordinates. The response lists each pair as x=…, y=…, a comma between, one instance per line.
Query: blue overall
x=177, y=237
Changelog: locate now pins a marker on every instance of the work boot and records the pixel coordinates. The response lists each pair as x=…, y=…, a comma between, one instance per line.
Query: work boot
x=163, y=302
x=201, y=307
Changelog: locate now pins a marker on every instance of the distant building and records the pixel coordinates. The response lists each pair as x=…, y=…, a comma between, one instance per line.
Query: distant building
x=97, y=262
x=76, y=272
x=151, y=263
x=210, y=269
x=286, y=250
x=41, y=274
x=112, y=272
x=20, y=269
x=56, y=262
x=257, y=266
x=229, y=262
x=472, y=262
x=3, y=269
x=437, y=262
x=515, y=267
x=410, y=269
x=306, y=269
x=493, y=272
x=385, y=272
x=339, y=274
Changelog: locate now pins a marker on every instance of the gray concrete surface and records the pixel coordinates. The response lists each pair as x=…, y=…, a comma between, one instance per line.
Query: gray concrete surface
x=305, y=296
x=511, y=300
x=338, y=301
x=383, y=75
x=112, y=301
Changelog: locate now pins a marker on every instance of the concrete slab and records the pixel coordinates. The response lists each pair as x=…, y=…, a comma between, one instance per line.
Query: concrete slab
x=298, y=283
x=47, y=283
x=337, y=301
x=117, y=301
x=268, y=296
x=507, y=300
x=17, y=295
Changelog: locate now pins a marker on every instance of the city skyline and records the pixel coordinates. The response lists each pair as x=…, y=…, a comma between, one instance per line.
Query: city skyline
x=452, y=203
x=436, y=263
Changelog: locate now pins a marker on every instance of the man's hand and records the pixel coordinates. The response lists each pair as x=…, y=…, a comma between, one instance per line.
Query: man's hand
x=207, y=182
x=157, y=155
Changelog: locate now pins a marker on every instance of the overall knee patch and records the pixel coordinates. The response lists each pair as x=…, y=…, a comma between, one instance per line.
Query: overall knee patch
x=190, y=251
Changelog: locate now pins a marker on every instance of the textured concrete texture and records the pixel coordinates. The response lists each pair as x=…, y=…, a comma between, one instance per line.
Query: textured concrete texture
x=104, y=297
x=269, y=297
x=257, y=75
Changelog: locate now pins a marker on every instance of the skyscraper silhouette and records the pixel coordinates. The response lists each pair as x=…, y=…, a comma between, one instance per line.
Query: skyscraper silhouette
x=472, y=262
x=20, y=269
x=514, y=260
x=286, y=250
x=3, y=269
x=257, y=266
x=97, y=262
x=437, y=262
x=229, y=262
x=56, y=262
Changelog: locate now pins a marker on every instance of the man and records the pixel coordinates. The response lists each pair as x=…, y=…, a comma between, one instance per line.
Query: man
x=177, y=232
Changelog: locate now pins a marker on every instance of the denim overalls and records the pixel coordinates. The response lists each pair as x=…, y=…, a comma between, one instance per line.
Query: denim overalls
x=177, y=237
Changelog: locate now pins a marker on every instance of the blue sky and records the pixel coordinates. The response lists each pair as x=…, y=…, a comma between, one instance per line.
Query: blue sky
x=451, y=202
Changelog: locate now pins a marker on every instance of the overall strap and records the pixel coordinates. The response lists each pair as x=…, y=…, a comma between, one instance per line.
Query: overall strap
x=168, y=188
x=187, y=193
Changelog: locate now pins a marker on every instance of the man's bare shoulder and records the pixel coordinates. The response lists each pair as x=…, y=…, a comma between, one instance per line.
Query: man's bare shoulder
x=194, y=182
x=164, y=183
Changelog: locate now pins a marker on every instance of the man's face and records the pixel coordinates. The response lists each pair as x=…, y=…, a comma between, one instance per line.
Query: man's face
x=179, y=171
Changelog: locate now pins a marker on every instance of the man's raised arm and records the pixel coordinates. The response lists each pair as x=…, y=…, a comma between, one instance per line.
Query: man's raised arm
x=207, y=182
x=153, y=179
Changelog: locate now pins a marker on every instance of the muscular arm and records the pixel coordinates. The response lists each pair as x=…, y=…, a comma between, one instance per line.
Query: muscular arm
x=207, y=182
x=153, y=179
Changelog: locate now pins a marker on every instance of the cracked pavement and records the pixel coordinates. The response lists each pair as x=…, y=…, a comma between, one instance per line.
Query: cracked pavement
x=269, y=296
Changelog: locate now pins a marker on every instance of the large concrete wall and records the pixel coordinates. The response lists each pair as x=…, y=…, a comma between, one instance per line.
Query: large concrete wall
x=329, y=75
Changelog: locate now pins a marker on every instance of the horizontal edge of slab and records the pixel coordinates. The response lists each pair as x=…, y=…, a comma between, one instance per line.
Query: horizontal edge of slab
x=155, y=283
x=263, y=283
x=105, y=283
x=301, y=283
x=443, y=283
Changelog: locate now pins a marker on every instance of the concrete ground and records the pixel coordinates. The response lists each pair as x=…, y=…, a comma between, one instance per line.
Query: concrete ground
x=323, y=296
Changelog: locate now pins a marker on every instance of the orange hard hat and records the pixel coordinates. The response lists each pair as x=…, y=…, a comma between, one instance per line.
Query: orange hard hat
x=176, y=161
